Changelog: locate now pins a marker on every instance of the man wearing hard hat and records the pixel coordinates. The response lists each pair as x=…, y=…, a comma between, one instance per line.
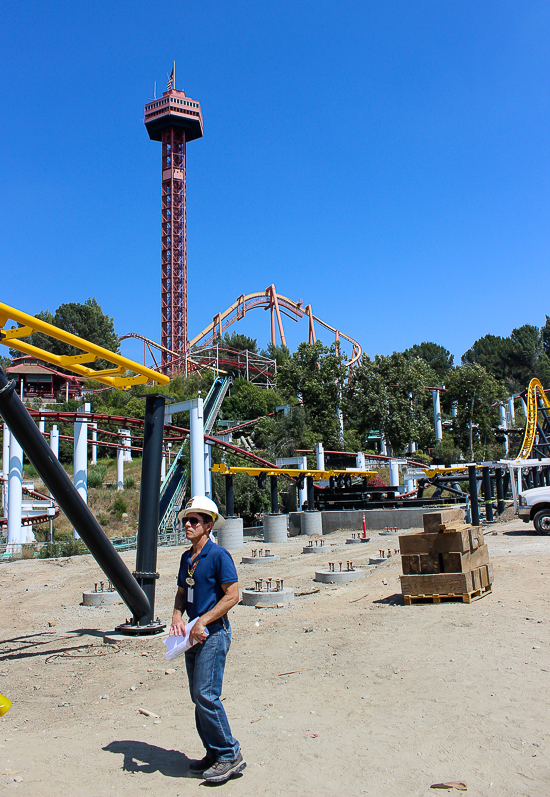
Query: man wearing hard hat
x=207, y=589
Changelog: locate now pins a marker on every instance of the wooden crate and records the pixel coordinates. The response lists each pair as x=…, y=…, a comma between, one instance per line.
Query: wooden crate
x=432, y=520
x=447, y=583
x=423, y=543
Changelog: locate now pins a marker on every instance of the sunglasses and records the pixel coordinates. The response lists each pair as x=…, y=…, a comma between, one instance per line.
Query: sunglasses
x=194, y=521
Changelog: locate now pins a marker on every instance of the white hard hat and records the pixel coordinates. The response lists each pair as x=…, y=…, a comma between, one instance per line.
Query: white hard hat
x=200, y=503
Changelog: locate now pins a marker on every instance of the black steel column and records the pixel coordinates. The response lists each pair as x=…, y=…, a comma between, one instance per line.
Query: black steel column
x=274, y=495
x=474, y=506
x=67, y=496
x=536, y=480
x=487, y=493
x=148, y=523
x=229, y=496
x=500, y=491
x=310, y=494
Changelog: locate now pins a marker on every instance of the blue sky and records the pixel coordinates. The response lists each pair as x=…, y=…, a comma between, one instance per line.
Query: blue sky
x=386, y=162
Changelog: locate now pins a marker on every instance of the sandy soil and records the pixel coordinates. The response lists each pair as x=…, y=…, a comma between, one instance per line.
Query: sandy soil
x=386, y=699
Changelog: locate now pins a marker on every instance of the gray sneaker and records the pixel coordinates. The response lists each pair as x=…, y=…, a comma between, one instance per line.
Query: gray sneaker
x=223, y=770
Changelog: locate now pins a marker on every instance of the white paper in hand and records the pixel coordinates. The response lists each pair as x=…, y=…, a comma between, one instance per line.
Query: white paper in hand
x=176, y=645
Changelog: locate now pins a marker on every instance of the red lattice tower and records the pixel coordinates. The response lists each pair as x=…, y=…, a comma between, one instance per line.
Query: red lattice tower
x=173, y=119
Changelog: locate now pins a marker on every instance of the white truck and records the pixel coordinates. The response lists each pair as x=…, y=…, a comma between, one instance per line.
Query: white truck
x=534, y=505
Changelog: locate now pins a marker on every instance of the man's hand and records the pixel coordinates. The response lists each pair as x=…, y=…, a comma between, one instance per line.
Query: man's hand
x=197, y=634
x=178, y=626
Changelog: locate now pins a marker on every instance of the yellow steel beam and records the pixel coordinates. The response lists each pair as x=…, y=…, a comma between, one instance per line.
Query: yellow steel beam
x=318, y=475
x=124, y=374
x=431, y=472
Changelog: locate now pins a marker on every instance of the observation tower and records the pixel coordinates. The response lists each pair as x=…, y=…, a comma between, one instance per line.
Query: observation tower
x=174, y=119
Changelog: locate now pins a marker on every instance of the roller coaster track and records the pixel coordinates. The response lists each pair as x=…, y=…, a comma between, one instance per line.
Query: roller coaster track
x=171, y=432
x=536, y=439
x=268, y=300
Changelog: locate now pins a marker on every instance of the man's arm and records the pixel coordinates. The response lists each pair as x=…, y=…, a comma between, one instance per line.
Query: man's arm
x=178, y=623
x=229, y=599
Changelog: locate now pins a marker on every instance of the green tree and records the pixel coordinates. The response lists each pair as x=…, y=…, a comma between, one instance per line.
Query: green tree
x=282, y=435
x=314, y=375
x=388, y=394
x=477, y=394
x=278, y=353
x=437, y=357
x=248, y=401
x=86, y=320
x=242, y=342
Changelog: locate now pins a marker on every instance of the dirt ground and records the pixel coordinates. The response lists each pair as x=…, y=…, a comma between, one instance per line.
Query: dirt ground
x=384, y=699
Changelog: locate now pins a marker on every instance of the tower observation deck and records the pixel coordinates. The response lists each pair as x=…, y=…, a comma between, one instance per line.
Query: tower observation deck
x=174, y=119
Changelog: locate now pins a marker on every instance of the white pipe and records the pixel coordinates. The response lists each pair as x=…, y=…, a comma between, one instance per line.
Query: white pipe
x=197, y=449
x=512, y=411
x=504, y=425
x=120, y=469
x=41, y=425
x=320, y=455
x=394, y=473
x=437, y=416
x=54, y=440
x=93, y=427
x=207, y=471
x=15, y=496
x=302, y=492
x=163, y=467
x=81, y=459
x=5, y=465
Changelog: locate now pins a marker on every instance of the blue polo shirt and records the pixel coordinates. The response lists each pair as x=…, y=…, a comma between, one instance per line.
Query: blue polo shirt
x=214, y=568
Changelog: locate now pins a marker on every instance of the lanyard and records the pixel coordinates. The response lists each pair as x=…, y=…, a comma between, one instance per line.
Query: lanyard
x=190, y=581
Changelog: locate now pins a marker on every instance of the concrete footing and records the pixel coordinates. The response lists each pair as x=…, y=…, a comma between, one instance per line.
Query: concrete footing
x=275, y=528
x=251, y=596
x=317, y=549
x=259, y=560
x=230, y=536
x=108, y=598
x=312, y=523
x=338, y=576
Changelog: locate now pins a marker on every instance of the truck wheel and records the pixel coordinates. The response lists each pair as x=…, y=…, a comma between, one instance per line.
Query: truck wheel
x=541, y=521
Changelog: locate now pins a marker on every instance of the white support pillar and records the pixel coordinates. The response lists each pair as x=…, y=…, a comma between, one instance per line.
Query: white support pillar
x=126, y=442
x=197, y=449
x=412, y=447
x=520, y=482
x=54, y=440
x=409, y=485
x=320, y=454
x=207, y=471
x=437, y=416
x=360, y=461
x=512, y=411
x=81, y=458
x=302, y=492
x=394, y=474
x=41, y=425
x=524, y=407
x=504, y=425
x=163, y=466
x=93, y=427
x=340, y=423
x=5, y=465
x=15, y=497
x=454, y=409
x=120, y=469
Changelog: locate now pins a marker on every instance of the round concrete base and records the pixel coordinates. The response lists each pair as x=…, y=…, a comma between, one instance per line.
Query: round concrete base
x=275, y=528
x=317, y=549
x=357, y=540
x=230, y=536
x=312, y=523
x=259, y=560
x=100, y=598
x=339, y=576
x=251, y=597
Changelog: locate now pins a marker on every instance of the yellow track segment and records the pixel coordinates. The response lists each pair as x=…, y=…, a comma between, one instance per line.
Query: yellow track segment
x=535, y=387
x=318, y=475
x=431, y=472
x=124, y=374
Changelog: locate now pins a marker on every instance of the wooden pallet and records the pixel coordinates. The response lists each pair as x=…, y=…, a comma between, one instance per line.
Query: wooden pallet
x=465, y=597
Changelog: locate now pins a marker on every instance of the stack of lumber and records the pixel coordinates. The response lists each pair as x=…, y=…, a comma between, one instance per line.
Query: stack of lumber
x=449, y=559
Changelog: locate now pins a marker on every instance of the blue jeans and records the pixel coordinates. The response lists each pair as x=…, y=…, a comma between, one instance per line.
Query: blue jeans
x=205, y=665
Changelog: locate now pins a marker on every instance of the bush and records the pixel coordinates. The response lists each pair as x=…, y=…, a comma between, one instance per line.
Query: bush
x=129, y=483
x=54, y=550
x=102, y=519
x=119, y=507
x=96, y=475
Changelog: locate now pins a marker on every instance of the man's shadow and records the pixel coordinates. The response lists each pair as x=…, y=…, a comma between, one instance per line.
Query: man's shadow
x=148, y=758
